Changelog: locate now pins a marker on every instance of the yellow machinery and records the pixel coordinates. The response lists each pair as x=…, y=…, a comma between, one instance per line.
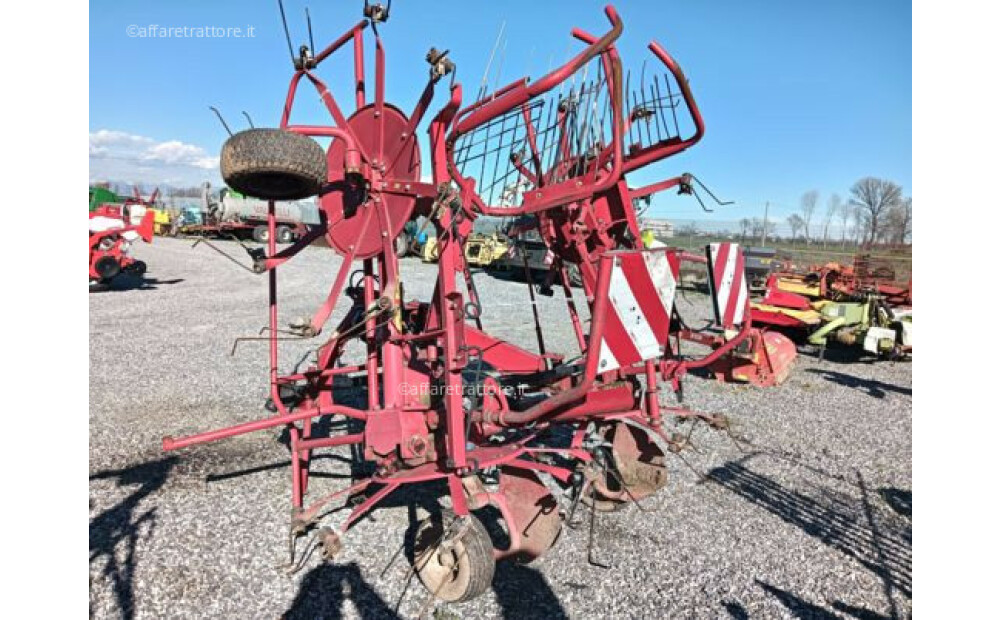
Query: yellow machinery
x=163, y=222
x=482, y=250
x=429, y=252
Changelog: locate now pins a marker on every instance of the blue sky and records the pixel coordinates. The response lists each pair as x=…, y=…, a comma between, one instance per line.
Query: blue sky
x=796, y=95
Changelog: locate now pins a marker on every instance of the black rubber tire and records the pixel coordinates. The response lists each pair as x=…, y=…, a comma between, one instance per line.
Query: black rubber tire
x=283, y=234
x=138, y=268
x=273, y=164
x=476, y=557
x=107, y=267
x=260, y=234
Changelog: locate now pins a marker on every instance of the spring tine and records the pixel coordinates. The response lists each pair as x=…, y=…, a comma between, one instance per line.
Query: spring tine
x=656, y=113
x=496, y=161
x=221, y=120
x=590, y=536
x=673, y=107
x=486, y=72
x=496, y=79
x=645, y=108
x=659, y=108
x=634, y=105
x=625, y=107
x=543, y=152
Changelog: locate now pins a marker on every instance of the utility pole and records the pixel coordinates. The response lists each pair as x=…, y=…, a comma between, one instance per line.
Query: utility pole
x=763, y=233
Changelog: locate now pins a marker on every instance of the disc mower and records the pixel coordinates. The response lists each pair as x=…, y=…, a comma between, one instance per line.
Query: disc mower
x=434, y=399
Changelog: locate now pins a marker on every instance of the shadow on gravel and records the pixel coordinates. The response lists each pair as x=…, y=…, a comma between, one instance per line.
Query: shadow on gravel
x=126, y=282
x=899, y=500
x=523, y=592
x=875, y=389
x=843, y=354
x=115, y=533
x=849, y=525
x=801, y=608
x=325, y=588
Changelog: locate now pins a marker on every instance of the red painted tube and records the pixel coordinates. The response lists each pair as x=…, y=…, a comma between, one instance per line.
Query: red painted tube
x=333, y=47
x=330, y=442
x=572, y=395
x=352, y=157
x=493, y=96
x=646, y=190
x=359, y=69
x=656, y=153
x=726, y=348
x=169, y=443
x=522, y=93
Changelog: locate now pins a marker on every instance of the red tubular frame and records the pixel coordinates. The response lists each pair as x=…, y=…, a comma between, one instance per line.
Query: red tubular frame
x=443, y=342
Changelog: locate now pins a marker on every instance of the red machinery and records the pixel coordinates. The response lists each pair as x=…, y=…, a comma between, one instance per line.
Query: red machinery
x=111, y=236
x=528, y=433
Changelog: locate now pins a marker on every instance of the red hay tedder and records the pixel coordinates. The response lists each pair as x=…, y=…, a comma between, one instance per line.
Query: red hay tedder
x=529, y=433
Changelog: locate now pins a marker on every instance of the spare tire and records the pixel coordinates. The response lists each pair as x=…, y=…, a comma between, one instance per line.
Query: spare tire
x=273, y=164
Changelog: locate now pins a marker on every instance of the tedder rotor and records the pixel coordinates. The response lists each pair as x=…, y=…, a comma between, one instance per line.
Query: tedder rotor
x=530, y=434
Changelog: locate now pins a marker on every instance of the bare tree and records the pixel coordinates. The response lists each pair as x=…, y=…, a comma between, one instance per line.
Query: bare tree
x=745, y=226
x=858, y=225
x=807, y=205
x=796, y=223
x=846, y=210
x=899, y=223
x=832, y=209
x=875, y=197
x=757, y=227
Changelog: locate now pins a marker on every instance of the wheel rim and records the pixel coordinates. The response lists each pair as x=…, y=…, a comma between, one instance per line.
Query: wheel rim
x=637, y=468
x=534, y=512
x=442, y=566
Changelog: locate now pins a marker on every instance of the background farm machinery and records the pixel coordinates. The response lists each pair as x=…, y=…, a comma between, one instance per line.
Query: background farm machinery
x=531, y=434
x=858, y=305
x=111, y=235
x=232, y=215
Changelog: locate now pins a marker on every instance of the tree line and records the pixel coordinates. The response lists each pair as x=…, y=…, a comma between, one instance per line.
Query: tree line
x=875, y=212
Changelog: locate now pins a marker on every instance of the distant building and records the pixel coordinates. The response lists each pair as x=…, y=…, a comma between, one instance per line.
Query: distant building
x=662, y=229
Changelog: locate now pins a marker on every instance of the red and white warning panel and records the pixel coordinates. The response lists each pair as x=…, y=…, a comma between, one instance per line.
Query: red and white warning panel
x=728, y=283
x=641, y=297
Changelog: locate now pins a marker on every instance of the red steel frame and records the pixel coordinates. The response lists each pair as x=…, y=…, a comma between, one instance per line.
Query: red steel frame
x=411, y=437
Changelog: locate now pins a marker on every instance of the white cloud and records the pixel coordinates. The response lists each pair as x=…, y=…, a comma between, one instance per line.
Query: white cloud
x=121, y=156
x=176, y=152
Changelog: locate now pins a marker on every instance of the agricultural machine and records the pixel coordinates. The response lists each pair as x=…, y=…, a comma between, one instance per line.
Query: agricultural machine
x=432, y=398
x=230, y=214
x=111, y=235
x=856, y=305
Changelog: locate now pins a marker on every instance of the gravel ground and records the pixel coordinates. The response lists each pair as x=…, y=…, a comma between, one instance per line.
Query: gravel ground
x=810, y=517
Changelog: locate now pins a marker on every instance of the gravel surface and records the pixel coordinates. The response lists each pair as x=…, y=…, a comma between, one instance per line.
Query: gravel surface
x=809, y=516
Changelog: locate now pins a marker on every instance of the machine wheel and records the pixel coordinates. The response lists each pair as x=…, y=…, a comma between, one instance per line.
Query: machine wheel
x=107, y=267
x=138, y=268
x=457, y=567
x=260, y=234
x=283, y=234
x=273, y=164
x=636, y=468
